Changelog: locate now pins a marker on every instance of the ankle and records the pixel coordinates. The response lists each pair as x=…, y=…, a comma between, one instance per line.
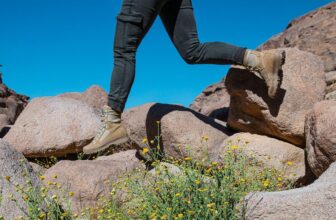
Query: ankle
x=112, y=115
x=251, y=58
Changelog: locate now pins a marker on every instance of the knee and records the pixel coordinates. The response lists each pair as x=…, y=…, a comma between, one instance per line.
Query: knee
x=191, y=53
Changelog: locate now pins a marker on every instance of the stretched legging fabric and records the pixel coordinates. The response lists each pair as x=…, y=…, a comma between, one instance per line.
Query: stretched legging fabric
x=134, y=21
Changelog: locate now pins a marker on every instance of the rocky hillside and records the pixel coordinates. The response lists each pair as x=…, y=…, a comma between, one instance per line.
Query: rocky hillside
x=11, y=105
x=313, y=32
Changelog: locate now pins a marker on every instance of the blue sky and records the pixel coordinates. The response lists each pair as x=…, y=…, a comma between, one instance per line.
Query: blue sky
x=50, y=47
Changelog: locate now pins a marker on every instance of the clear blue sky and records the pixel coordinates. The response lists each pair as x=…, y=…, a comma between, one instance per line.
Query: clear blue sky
x=50, y=47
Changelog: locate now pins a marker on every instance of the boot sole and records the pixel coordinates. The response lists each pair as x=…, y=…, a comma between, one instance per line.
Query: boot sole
x=104, y=147
x=279, y=61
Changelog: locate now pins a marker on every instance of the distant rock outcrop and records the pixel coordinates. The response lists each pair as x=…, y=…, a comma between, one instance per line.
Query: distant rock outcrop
x=314, y=32
x=11, y=105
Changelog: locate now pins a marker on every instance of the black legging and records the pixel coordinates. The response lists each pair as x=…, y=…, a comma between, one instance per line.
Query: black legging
x=134, y=21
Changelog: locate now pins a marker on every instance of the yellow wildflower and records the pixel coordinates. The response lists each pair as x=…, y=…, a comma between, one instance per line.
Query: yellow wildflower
x=180, y=215
x=187, y=158
x=289, y=163
x=234, y=147
x=266, y=183
x=145, y=150
x=144, y=140
x=42, y=177
x=211, y=205
x=71, y=193
x=177, y=194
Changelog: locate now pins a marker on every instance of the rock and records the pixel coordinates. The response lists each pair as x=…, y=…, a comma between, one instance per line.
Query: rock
x=180, y=130
x=94, y=96
x=38, y=169
x=314, y=32
x=55, y=126
x=331, y=77
x=331, y=96
x=96, y=180
x=271, y=153
x=11, y=105
x=316, y=201
x=331, y=88
x=251, y=110
x=214, y=102
x=14, y=169
x=320, y=129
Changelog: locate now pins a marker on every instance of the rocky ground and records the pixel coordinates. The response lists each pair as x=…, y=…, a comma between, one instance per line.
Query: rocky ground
x=297, y=127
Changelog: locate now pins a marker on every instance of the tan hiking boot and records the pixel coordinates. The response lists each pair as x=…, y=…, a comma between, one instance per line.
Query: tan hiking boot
x=268, y=64
x=109, y=133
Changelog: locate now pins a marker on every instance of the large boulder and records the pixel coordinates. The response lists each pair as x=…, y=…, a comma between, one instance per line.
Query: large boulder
x=183, y=132
x=315, y=202
x=252, y=110
x=269, y=152
x=56, y=126
x=314, y=32
x=91, y=181
x=11, y=105
x=320, y=131
x=214, y=102
x=95, y=96
x=15, y=169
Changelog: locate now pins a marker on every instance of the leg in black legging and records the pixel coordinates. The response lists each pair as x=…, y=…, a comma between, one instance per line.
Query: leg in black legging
x=178, y=19
x=133, y=22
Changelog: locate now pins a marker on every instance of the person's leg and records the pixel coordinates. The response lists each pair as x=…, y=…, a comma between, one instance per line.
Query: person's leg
x=178, y=19
x=133, y=22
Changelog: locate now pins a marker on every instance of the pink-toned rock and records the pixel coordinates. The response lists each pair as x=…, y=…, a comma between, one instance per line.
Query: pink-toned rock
x=56, y=126
x=91, y=180
x=320, y=131
x=251, y=110
x=214, y=102
x=313, y=32
x=180, y=129
x=15, y=169
x=94, y=96
x=268, y=152
x=314, y=202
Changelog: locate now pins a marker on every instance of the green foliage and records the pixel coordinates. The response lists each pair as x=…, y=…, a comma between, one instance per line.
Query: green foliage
x=201, y=190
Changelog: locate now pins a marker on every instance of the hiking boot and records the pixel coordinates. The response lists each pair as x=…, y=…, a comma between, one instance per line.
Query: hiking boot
x=268, y=64
x=111, y=132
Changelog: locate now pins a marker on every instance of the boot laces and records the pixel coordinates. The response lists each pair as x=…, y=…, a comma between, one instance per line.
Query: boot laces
x=105, y=115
